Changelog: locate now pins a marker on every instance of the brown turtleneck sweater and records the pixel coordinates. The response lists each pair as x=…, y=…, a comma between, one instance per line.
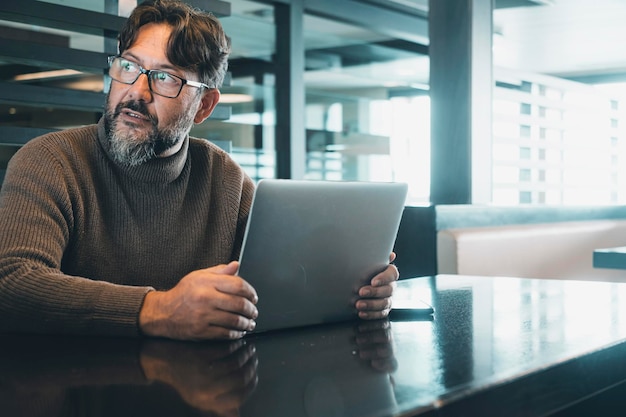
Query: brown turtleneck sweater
x=82, y=240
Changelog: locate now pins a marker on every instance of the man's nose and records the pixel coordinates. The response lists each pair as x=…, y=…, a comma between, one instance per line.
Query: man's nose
x=140, y=89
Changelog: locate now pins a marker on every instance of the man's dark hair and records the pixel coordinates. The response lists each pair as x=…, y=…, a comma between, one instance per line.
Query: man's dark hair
x=197, y=43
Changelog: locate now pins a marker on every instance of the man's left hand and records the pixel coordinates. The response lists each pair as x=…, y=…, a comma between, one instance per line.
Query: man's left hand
x=375, y=299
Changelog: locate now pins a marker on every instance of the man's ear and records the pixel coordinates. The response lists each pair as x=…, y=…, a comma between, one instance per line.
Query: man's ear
x=210, y=98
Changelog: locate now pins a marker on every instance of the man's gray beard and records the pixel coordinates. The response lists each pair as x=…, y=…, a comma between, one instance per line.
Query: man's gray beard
x=132, y=151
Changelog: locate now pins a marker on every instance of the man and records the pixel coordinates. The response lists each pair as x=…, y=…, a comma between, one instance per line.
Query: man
x=129, y=226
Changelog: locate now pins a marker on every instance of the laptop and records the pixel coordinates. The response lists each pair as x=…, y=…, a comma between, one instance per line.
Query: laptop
x=310, y=245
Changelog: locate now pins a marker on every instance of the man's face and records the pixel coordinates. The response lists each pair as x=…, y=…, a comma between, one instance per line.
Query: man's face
x=141, y=125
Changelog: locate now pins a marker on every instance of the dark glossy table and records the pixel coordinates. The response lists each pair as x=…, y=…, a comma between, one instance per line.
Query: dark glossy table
x=496, y=347
x=614, y=258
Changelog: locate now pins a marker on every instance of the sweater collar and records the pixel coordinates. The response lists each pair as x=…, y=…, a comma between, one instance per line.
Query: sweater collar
x=155, y=171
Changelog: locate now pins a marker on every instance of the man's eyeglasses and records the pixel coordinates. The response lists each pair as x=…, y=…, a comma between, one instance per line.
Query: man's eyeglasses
x=162, y=83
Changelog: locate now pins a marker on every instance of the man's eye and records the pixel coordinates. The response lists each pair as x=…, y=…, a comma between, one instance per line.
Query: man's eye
x=128, y=66
x=164, y=77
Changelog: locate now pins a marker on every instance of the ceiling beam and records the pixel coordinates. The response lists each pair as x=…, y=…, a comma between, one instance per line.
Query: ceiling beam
x=31, y=53
x=60, y=17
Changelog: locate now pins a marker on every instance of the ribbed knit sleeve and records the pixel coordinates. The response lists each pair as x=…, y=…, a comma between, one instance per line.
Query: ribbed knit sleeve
x=37, y=217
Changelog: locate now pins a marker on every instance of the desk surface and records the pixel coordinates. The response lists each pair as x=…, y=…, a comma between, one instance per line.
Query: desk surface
x=496, y=346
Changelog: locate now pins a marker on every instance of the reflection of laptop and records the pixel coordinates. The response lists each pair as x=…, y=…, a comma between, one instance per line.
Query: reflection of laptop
x=322, y=372
x=310, y=245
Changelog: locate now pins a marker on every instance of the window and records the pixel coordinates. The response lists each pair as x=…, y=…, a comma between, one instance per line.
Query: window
x=524, y=131
x=524, y=174
x=577, y=144
x=541, y=154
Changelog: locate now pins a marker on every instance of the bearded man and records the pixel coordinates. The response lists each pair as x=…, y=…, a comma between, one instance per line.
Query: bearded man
x=130, y=227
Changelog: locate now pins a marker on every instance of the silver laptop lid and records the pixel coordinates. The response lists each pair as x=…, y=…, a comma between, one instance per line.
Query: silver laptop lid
x=309, y=246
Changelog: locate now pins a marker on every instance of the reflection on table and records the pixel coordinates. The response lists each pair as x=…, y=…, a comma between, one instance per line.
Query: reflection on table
x=344, y=367
x=496, y=346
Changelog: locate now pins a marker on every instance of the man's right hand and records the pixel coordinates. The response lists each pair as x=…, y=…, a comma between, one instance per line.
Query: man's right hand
x=210, y=303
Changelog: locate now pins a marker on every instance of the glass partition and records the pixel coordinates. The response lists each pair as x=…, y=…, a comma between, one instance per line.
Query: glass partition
x=52, y=66
x=367, y=107
x=249, y=93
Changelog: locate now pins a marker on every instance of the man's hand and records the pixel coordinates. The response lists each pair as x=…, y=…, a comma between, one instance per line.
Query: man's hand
x=209, y=303
x=375, y=299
